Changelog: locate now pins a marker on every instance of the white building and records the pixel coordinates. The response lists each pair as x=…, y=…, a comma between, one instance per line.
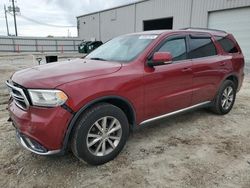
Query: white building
x=230, y=15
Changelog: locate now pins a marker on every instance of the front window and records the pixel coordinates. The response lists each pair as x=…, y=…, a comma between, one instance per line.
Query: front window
x=122, y=49
x=177, y=48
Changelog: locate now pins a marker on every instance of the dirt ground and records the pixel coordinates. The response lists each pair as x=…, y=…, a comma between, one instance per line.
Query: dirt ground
x=197, y=149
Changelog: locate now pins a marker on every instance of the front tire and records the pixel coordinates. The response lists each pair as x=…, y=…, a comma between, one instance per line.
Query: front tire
x=100, y=134
x=225, y=98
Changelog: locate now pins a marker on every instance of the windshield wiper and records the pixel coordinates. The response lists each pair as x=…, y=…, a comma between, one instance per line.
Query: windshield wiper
x=97, y=58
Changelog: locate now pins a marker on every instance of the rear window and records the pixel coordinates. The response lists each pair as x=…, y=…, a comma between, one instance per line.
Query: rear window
x=201, y=47
x=227, y=44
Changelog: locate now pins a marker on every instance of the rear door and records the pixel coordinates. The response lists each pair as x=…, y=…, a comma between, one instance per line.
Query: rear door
x=169, y=87
x=207, y=67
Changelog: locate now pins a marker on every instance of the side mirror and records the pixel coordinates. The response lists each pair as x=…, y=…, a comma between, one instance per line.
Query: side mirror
x=160, y=58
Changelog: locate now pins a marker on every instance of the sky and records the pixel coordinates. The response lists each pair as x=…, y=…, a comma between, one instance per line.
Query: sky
x=51, y=12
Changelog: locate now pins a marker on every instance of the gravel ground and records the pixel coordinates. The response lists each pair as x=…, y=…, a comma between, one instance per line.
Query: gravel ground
x=197, y=149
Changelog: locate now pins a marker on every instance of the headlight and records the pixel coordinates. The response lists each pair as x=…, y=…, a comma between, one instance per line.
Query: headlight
x=47, y=98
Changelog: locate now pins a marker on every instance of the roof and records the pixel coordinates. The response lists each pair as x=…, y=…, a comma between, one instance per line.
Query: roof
x=207, y=30
x=125, y=5
x=195, y=30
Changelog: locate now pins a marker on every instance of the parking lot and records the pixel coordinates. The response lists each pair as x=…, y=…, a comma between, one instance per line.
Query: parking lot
x=197, y=149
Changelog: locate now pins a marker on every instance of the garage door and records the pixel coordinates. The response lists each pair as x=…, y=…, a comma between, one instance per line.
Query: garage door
x=235, y=21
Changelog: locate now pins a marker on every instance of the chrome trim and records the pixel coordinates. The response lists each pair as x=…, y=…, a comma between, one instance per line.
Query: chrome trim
x=22, y=98
x=22, y=142
x=175, y=112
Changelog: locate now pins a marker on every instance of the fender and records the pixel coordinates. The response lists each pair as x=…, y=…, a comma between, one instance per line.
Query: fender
x=79, y=112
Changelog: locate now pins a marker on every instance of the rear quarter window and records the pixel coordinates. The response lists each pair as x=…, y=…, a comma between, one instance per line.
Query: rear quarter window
x=227, y=44
x=201, y=47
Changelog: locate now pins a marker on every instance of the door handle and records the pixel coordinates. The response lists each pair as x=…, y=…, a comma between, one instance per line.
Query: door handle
x=187, y=69
x=222, y=63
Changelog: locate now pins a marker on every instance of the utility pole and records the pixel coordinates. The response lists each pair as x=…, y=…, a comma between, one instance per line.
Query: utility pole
x=6, y=19
x=14, y=14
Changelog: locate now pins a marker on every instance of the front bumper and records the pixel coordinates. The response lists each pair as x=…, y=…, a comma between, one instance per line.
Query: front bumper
x=40, y=130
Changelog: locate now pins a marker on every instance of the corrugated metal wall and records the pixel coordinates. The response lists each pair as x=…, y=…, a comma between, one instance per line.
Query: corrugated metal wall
x=89, y=27
x=155, y=9
x=31, y=44
x=117, y=22
x=186, y=13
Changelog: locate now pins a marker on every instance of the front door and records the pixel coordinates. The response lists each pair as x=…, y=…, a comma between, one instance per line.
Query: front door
x=169, y=87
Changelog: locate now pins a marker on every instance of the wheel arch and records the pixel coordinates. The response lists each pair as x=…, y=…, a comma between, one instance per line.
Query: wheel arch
x=121, y=102
x=234, y=79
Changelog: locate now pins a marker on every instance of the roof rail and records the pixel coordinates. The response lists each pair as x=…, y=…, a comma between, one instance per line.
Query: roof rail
x=203, y=29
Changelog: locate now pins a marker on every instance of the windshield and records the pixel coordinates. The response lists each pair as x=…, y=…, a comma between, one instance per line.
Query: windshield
x=122, y=49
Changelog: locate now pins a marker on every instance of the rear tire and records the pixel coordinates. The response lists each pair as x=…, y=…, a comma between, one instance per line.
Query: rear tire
x=100, y=134
x=225, y=98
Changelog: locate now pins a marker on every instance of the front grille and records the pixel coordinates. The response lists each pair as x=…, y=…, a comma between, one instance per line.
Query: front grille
x=18, y=95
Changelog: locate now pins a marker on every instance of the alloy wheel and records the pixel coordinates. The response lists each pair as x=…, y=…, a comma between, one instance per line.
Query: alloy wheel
x=104, y=136
x=227, y=98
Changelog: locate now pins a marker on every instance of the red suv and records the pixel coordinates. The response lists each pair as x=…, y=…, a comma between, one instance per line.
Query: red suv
x=91, y=104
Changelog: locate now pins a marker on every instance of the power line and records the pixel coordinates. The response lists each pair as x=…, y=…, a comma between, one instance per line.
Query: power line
x=42, y=23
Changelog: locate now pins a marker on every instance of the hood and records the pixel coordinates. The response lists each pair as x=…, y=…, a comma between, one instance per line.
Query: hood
x=54, y=74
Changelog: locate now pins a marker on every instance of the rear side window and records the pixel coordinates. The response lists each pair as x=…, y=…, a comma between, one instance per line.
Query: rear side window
x=177, y=48
x=201, y=47
x=227, y=44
